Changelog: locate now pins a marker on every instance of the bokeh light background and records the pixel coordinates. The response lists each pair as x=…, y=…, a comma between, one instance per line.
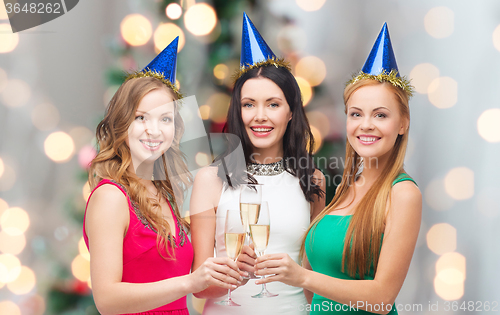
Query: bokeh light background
x=52, y=94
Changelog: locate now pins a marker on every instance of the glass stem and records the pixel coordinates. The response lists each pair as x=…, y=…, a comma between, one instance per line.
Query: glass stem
x=229, y=290
x=263, y=277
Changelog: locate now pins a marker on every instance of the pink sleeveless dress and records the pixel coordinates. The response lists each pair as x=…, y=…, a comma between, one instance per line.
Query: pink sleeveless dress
x=141, y=261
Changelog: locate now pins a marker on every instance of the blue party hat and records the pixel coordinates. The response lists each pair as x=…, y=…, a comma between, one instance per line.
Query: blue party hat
x=381, y=57
x=381, y=64
x=163, y=67
x=254, y=50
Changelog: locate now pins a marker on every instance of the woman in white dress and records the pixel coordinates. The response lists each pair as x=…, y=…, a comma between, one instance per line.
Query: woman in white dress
x=267, y=115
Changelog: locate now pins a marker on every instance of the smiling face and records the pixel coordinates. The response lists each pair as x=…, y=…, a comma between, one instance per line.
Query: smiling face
x=374, y=121
x=265, y=114
x=152, y=131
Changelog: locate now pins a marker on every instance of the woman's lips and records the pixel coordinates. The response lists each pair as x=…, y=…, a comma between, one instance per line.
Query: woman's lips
x=151, y=145
x=368, y=140
x=261, y=131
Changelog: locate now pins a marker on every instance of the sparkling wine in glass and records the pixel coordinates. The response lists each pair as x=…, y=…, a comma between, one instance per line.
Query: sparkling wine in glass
x=250, y=199
x=260, y=237
x=234, y=237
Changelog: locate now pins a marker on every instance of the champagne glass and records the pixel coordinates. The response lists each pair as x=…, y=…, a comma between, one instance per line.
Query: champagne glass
x=260, y=237
x=234, y=236
x=250, y=199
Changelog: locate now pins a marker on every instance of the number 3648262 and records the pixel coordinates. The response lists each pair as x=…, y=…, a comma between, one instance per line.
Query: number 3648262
x=34, y=8
x=471, y=306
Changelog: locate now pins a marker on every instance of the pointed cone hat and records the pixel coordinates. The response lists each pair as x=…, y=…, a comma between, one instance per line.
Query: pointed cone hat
x=163, y=67
x=381, y=57
x=254, y=50
x=381, y=64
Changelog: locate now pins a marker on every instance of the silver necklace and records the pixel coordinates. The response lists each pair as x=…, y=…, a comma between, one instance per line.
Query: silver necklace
x=266, y=169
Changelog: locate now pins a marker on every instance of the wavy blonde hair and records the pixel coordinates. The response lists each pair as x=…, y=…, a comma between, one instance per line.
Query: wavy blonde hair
x=114, y=159
x=362, y=241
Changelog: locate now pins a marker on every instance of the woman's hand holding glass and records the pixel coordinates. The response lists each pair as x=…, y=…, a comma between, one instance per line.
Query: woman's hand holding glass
x=219, y=271
x=246, y=260
x=279, y=267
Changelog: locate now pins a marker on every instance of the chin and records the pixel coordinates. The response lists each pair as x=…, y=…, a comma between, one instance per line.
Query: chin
x=370, y=155
x=152, y=158
x=261, y=146
x=367, y=155
x=261, y=143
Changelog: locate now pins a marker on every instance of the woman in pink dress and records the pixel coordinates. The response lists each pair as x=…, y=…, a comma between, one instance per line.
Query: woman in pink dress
x=140, y=253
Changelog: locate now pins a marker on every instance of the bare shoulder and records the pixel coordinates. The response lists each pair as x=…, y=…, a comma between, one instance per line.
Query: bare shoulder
x=319, y=175
x=406, y=191
x=107, y=200
x=318, y=203
x=207, y=190
x=208, y=180
x=319, y=178
x=207, y=174
x=406, y=201
x=108, y=193
x=107, y=204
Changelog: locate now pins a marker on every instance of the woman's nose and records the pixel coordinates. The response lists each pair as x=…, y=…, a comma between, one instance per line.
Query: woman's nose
x=366, y=124
x=151, y=128
x=260, y=114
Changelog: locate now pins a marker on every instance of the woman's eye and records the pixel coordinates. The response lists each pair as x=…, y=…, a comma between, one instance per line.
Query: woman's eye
x=273, y=105
x=166, y=119
x=355, y=115
x=139, y=118
x=247, y=105
x=381, y=115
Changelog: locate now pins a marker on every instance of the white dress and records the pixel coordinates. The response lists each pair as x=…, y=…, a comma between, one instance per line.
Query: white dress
x=290, y=218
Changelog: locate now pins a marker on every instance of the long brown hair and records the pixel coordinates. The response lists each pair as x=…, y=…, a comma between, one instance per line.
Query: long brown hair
x=114, y=158
x=298, y=140
x=362, y=241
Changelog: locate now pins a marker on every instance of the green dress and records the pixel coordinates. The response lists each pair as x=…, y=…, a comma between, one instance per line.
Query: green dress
x=324, y=252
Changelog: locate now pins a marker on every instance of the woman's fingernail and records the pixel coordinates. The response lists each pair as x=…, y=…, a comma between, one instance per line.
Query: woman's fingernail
x=257, y=282
x=241, y=278
x=233, y=286
x=239, y=282
x=246, y=273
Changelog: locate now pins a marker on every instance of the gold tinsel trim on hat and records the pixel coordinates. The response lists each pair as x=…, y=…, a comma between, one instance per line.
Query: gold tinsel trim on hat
x=156, y=75
x=391, y=77
x=277, y=62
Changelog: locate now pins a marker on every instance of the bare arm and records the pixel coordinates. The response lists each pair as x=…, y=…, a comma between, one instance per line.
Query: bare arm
x=207, y=190
x=107, y=220
x=403, y=224
x=309, y=294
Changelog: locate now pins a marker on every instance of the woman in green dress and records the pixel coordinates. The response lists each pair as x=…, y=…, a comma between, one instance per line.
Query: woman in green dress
x=358, y=249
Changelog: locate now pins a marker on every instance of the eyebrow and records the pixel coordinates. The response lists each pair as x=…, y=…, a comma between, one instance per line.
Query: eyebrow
x=269, y=99
x=147, y=113
x=374, y=110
